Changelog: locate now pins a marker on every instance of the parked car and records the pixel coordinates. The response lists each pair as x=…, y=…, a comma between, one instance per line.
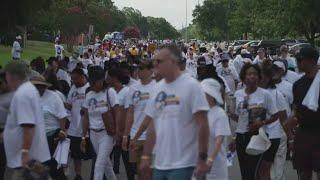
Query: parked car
x=291, y=42
x=271, y=46
x=251, y=43
x=293, y=49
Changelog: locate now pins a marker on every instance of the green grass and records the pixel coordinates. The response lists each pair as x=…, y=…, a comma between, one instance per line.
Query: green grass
x=33, y=50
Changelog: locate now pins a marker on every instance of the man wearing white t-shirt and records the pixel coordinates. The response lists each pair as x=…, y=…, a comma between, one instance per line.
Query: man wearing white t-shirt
x=61, y=74
x=24, y=133
x=292, y=64
x=136, y=102
x=178, y=122
x=16, y=48
x=59, y=50
x=55, y=117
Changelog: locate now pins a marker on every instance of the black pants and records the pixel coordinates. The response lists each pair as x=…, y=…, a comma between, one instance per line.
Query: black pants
x=2, y=161
x=248, y=163
x=54, y=172
x=130, y=167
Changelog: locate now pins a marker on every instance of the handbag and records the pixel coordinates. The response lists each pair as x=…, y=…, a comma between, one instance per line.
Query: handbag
x=109, y=119
x=259, y=143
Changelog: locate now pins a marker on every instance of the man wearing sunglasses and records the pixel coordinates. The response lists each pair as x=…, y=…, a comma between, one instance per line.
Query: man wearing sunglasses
x=177, y=112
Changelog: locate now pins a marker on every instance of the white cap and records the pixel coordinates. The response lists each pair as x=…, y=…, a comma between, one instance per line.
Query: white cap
x=280, y=65
x=19, y=37
x=212, y=88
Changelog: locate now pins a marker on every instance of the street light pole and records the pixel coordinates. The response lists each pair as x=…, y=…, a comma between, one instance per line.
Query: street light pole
x=186, y=20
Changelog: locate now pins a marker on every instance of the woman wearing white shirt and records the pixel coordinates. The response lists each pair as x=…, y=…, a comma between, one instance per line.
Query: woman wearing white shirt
x=219, y=130
x=55, y=117
x=100, y=100
x=255, y=108
x=277, y=131
x=116, y=79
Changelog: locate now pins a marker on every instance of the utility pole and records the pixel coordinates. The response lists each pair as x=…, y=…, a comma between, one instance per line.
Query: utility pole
x=186, y=20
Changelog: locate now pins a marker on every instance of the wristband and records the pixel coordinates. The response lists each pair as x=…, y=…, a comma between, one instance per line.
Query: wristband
x=25, y=151
x=145, y=157
x=83, y=138
x=291, y=141
x=210, y=160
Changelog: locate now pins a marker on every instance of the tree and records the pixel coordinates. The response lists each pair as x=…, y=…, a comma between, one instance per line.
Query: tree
x=131, y=32
x=211, y=18
x=160, y=28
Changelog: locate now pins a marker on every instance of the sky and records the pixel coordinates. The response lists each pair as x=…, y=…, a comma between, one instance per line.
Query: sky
x=174, y=11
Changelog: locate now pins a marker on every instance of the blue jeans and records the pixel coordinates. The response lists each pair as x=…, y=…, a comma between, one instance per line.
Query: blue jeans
x=173, y=174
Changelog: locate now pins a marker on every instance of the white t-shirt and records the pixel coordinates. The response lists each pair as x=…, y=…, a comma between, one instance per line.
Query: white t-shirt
x=76, y=98
x=25, y=108
x=59, y=50
x=291, y=62
x=172, y=107
x=261, y=99
x=227, y=88
x=73, y=63
x=16, y=48
x=274, y=129
x=99, y=61
x=96, y=104
x=86, y=62
x=138, y=97
x=291, y=77
x=53, y=110
x=63, y=75
x=230, y=75
x=132, y=82
x=191, y=67
x=286, y=89
x=122, y=95
x=219, y=126
x=238, y=63
x=257, y=60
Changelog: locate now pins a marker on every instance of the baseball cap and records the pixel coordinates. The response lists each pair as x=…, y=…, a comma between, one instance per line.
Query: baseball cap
x=224, y=56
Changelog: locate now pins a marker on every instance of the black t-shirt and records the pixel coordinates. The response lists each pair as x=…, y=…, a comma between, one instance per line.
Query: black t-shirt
x=308, y=120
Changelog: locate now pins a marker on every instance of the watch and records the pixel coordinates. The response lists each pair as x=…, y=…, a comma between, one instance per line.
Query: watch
x=203, y=156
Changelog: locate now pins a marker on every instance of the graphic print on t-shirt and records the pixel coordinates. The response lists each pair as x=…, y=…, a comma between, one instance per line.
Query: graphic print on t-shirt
x=94, y=104
x=77, y=96
x=257, y=113
x=163, y=100
x=139, y=96
x=226, y=72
